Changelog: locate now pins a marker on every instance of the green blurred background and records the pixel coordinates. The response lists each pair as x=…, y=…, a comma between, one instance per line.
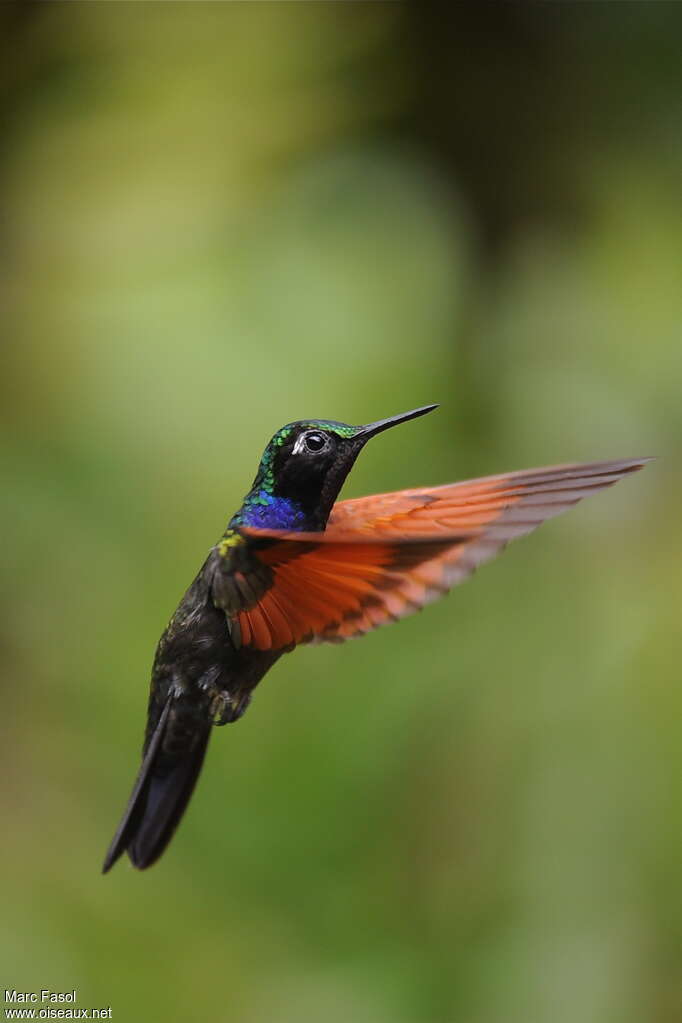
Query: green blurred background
x=221, y=217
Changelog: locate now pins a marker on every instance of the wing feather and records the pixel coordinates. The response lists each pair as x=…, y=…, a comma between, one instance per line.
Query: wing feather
x=384, y=557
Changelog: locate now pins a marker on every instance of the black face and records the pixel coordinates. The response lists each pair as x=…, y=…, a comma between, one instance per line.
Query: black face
x=307, y=462
x=311, y=466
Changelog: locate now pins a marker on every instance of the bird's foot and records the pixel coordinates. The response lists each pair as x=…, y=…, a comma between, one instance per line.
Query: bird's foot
x=226, y=707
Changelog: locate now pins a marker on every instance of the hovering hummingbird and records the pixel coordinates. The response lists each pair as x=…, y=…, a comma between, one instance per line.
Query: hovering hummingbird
x=296, y=566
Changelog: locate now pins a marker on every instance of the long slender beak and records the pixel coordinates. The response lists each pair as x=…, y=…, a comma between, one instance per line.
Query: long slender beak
x=365, y=432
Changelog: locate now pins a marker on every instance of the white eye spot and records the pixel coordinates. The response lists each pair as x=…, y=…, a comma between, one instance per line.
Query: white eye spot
x=311, y=442
x=315, y=441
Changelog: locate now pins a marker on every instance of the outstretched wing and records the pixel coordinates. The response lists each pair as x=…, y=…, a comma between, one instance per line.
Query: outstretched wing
x=385, y=556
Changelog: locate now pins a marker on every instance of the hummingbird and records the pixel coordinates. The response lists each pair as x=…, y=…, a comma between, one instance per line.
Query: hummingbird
x=295, y=565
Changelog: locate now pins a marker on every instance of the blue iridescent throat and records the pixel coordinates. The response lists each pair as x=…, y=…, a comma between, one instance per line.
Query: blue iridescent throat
x=264, y=511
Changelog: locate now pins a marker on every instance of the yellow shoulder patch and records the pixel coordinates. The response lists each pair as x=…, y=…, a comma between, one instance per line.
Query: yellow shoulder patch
x=230, y=540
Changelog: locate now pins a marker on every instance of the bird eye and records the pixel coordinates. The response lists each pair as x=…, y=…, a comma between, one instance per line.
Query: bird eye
x=315, y=441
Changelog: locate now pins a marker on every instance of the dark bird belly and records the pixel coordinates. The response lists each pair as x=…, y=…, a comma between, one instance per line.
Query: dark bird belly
x=197, y=664
x=198, y=680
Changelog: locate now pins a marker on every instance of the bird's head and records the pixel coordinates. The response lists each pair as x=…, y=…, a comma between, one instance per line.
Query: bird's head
x=306, y=462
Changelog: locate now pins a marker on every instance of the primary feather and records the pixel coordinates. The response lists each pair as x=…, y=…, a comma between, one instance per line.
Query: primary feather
x=384, y=557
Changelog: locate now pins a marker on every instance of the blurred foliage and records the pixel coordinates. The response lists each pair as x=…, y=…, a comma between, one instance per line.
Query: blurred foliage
x=221, y=217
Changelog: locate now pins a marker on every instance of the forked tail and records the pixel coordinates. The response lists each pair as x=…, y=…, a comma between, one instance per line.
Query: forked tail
x=162, y=790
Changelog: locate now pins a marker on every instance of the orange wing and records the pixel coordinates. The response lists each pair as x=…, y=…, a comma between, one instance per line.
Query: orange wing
x=385, y=556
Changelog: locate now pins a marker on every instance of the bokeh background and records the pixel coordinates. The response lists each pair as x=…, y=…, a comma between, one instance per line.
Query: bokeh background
x=221, y=217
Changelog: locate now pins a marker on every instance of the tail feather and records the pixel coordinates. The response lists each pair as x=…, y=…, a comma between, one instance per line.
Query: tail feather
x=162, y=790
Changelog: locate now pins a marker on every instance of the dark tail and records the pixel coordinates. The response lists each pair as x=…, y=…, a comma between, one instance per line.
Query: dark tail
x=162, y=790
